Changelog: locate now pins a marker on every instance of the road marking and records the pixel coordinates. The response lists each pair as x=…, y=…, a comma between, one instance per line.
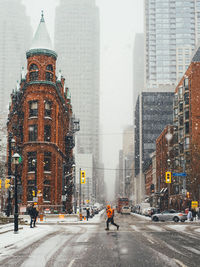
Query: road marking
x=180, y=263
x=150, y=241
x=156, y=228
x=192, y=250
x=135, y=228
x=71, y=262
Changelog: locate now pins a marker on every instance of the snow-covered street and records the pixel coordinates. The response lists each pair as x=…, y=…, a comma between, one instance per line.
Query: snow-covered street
x=139, y=241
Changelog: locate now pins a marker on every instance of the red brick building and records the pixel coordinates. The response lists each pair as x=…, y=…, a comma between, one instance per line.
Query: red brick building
x=148, y=181
x=40, y=120
x=186, y=148
x=164, y=145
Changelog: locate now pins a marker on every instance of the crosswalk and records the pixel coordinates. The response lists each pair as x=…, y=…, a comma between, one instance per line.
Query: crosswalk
x=165, y=228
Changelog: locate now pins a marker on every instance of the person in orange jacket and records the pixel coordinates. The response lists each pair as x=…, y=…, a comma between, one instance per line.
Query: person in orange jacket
x=110, y=217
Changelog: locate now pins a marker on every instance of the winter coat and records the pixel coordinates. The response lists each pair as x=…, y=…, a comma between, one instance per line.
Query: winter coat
x=109, y=212
x=189, y=215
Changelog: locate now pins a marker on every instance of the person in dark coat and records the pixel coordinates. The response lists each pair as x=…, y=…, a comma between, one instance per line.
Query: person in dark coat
x=32, y=211
x=36, y=212
x=88, y=213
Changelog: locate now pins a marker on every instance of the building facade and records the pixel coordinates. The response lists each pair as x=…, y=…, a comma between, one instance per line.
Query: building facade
x=153, y=112
x=172, y=31
x=16, y=34
x=186, y=148
x=41, y=123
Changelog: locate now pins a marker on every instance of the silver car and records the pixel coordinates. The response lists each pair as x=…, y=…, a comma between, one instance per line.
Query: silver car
x=169, y=215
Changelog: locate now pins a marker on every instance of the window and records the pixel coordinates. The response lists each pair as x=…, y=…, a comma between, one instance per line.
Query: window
x=49, y=73
x=47, y=161
x=181, y=121
x=186, y=98
x=187, y=127
x=33, y=108
x=187, y=114
x=33, y=75
x=30, y=189
x=47, y=108
x=47, y=133
x=33, y=132
x=32, y=161
x=46, y=192
x=181, y=107
x=187, y=143
x=49, y=67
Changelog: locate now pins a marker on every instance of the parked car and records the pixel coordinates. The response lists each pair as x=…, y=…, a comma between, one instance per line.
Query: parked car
x=126, y=210
x=169, y=215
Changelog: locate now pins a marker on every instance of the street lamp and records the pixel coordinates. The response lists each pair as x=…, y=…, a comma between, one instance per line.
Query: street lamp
x=74, y=174
x=34, y=161
x=15, y=159
x=11, y=146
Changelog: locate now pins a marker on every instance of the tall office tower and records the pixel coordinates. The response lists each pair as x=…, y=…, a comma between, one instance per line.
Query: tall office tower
x=172, y=29
x=154, y=110
x=138, y=66
x=77, y=39
x=16, y=34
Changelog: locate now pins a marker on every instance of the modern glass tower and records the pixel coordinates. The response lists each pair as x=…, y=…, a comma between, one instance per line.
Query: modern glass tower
x=77, y=40
x=16, y=34
x=172, y=29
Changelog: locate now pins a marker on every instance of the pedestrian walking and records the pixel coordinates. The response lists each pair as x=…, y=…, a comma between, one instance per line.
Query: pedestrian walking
x=31, y=212
x=36, y=212
x=194, y=214
x=110, y=218
x=189, y=216
x=88, y=213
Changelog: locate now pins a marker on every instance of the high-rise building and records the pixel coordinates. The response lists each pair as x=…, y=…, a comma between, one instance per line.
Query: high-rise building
x=16, y=34
x=77, y=38
x=138, y=66
x=154, y=110
x=172, y=29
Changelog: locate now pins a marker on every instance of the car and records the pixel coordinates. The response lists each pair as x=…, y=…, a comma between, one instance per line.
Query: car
x=126, y=210
x=169, y=215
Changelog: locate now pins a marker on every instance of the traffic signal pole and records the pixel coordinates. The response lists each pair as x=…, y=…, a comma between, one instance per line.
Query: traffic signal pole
x=80, y=193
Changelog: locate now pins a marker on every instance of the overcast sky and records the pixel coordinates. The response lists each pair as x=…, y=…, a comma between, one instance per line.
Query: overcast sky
x=119, y=21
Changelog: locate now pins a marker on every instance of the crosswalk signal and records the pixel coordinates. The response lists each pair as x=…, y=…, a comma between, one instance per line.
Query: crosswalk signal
x=82, y=177
x=7, y=183
x=168, y=177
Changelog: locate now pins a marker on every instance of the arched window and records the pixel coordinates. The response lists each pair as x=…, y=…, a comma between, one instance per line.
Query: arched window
x=33, y=67
x=50, y=67
x=33, y=75
x=49, y=73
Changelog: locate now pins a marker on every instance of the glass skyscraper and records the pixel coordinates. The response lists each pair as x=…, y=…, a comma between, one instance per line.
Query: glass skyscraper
x=172, y=29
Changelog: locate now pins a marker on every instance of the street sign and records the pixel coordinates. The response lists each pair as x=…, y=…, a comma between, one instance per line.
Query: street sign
x=179, y=174
x=194, y=204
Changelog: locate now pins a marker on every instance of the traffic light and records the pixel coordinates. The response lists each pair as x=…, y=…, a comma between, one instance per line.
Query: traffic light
x=82, y=177
x=7, y=183
x=33, y=193
x=168, y=177
x=152, y=188
x=188, y=194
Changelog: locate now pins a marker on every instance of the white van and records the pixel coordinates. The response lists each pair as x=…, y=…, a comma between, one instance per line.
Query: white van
x=143, y=205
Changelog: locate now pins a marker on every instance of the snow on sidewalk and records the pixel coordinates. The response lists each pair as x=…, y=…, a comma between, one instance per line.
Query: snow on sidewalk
x=141, y=216
x=11, y=242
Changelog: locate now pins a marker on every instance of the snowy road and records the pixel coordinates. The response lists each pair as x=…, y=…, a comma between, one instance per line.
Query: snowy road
x=138, y=242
